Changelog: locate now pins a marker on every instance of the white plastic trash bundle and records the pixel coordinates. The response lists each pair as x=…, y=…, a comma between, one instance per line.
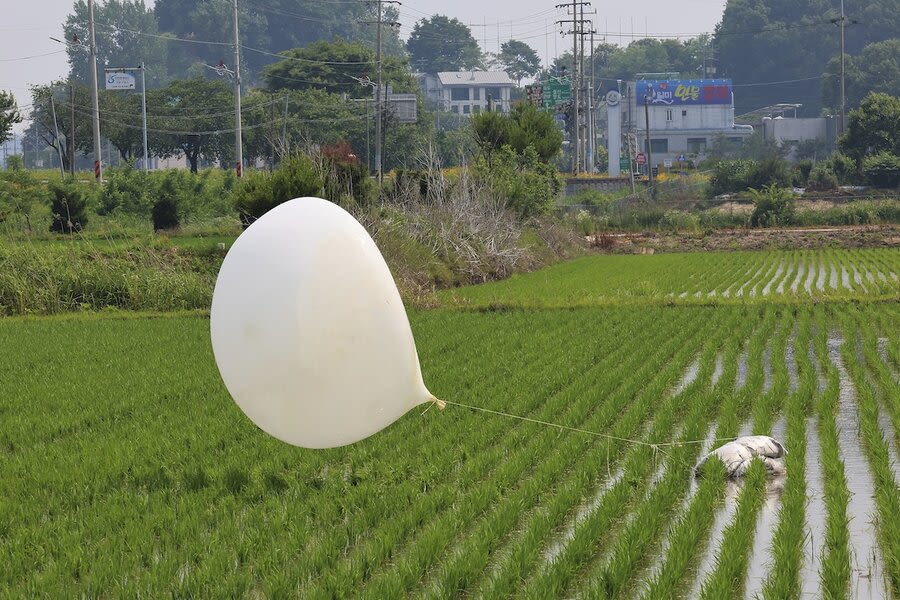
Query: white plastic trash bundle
x=738, y=455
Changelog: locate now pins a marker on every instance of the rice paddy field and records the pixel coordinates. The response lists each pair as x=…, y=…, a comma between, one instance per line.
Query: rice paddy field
x=127, y=471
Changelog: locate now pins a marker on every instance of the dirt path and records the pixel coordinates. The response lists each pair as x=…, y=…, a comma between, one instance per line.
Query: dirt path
x=850, y=236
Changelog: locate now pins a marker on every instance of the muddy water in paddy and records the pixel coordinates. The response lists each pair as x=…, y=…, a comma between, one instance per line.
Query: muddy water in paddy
x=810, y=277
x=767, y=368
x=790, y=271
x=801, y=269
x=778, y=272
x=766, y=521
x=845, y=278
x=689, y=377
x=867, y=578
x=820, y=282
x=791, y=363
x=815, y=514
x=832, y=283
x=857, y=278
x=718, y=370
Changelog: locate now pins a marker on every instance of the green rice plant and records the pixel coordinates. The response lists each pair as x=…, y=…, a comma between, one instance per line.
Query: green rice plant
x=835, y=563
x=726, y=580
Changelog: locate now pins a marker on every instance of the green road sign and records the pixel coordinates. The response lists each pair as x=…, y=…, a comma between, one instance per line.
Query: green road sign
x=556, y=93
x=624, y=163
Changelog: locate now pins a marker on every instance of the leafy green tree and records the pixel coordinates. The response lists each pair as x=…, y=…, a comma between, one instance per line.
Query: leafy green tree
x=882, y=169
x=877, y=69
x=442, y=44
x=9, y=115
x=491, y=132
x=126, y=33
x=874, y=127
x=197, y=122
x=530, y=127
x=269, y=27
x=519, y=60
x=337, y=67
x=773, y=206
x=524, y=127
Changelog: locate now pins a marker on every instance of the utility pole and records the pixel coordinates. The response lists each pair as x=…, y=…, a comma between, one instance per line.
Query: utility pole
x=577, y=30
x=841, y=22
x=380, y=89
x=649, y=154
x=98, y=158
x=144, y=114
x=62, y=169
x=843, y=105
x=378, y=95
x=72, y=127
x=238, y=146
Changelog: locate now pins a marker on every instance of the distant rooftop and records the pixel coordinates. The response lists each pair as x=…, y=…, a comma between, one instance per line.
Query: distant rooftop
x=475, y=78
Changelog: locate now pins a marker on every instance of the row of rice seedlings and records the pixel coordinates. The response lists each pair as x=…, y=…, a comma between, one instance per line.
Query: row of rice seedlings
x=789, y=539
x=632, y=547
x=481, y=545
x=487, y=445
x=722, y=281
x=734, y=550
x=692, y=527
x=773, y=265
x=836, y=558
x=755, y=265
x=439, y=532
x=887, y=492
x=888, y=384
x=594, y=532
x=720, y=541
x=769, y=418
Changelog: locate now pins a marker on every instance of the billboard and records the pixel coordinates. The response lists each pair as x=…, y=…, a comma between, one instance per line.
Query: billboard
x=676, y=92
x=119, y=81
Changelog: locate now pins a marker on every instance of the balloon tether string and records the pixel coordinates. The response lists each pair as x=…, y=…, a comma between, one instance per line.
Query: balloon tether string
x=655, y=446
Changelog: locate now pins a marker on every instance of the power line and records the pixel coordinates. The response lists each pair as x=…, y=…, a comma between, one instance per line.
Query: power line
x=32, y=56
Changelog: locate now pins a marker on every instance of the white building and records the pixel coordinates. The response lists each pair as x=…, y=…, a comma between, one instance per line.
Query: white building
x=467, y=92
x=685, y=117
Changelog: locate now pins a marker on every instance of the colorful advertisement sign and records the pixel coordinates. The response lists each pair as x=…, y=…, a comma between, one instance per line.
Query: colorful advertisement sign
x=674, y=92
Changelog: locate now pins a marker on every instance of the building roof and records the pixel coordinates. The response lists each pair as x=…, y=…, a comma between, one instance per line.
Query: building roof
x=475, y=78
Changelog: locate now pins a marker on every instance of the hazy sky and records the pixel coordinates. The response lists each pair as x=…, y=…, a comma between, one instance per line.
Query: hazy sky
x=27, y=25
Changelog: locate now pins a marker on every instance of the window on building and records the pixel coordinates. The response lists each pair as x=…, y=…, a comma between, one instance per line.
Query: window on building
x=459, y=93
x=696, y=145
x=493, y=93
x=658, y=145
x=476, y=109
x=684, y=113
x=476, y=93
x=466, y=109
x=735, y=142
x=670, y=115
x=454, y=108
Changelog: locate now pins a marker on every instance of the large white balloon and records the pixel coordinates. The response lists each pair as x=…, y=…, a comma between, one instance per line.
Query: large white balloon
x=309, y=331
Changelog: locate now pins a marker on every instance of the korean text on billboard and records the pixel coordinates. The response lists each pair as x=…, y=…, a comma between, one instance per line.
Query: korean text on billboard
x=681, y=92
